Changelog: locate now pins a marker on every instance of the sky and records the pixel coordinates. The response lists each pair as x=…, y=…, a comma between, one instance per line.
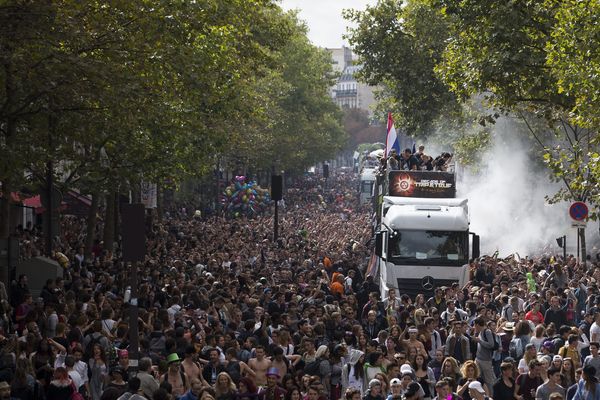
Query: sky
x=324, y=18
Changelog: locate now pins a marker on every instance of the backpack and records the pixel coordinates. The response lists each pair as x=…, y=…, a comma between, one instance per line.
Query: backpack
x=165, y=377
x=515, y=348
x=312, y=368
x=234, y=371
x=495, y=338
x=75, y=395
x=505, y=313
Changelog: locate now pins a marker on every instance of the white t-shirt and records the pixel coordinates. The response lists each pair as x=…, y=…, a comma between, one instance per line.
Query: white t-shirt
x=594, y=332
x=523, y=367
x=76, y=378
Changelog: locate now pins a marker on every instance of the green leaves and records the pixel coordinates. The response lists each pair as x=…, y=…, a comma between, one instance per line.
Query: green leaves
x=150, y=88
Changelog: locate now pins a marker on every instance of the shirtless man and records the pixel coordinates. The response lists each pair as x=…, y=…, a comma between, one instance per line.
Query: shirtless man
x=414, y=342
x=178, y=379
x=191, y=367
x=260, y=365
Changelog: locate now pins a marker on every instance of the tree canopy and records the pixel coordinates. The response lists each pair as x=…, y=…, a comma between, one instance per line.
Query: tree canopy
x=534, y=60
x=103, y=95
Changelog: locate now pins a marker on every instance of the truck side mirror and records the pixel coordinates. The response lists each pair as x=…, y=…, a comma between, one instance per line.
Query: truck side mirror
x=476, y=246
x=379, y=244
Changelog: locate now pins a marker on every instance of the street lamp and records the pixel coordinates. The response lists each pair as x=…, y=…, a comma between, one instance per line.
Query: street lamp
x=562, y=243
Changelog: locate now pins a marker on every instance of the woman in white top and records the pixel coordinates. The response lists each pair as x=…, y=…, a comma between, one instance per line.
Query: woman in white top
x=353, y=373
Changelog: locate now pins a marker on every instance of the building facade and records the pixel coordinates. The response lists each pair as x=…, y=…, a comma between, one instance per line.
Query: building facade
x=348, y=92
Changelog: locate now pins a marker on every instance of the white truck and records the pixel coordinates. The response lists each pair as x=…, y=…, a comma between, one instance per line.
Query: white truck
x=368, y=175
x=422, y=236
x=367, y=182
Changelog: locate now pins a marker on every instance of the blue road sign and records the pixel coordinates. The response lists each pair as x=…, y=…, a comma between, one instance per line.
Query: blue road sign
x=578, y=211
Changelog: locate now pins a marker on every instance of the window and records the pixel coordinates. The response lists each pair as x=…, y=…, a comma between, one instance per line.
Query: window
x=366, y=187
x=428, y=247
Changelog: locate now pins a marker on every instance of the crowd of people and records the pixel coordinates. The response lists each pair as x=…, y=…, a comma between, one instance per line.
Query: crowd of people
x=226, y=313
x=417, y=160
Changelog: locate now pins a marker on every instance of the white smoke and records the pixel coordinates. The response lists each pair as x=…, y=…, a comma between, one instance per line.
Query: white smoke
x=507, y=201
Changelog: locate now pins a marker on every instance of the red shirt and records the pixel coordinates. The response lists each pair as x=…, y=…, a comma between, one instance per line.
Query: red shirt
x=535, y=316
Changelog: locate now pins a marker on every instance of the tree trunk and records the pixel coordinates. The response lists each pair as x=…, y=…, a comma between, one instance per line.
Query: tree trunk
x=583, y=248
x=5, y=210
x=109, y=222
x=91, y=226
x=159, y=202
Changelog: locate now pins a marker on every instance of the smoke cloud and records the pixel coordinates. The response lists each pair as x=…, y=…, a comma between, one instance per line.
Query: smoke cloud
x=507, y=201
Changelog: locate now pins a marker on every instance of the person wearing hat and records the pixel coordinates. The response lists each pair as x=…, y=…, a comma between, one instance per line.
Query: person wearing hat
x=353, y=372
x=414, y=342
x=175, y=376
x=272, y=391
x=124, y=363
x=117, y=381
x=557, y=361
x=530, y=354
x=476, y=391
x=374, y=391
x=413, y=392
x=395, y=388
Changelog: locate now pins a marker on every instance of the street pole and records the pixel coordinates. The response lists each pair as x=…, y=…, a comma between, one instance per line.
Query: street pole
x=276, y=223
x=134, y=334
x=577, y=257
x=565, y=248
x=134, y=251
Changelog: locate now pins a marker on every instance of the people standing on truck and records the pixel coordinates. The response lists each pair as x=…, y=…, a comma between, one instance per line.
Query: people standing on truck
x=392, y=161
x=442, y=162
x=425, y=163
x=409, y=161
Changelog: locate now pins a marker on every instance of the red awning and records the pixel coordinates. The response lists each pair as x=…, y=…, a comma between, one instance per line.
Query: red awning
x=34, y=202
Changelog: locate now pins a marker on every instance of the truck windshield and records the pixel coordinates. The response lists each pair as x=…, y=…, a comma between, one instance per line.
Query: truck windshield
x=366, y=187
x=428, y=248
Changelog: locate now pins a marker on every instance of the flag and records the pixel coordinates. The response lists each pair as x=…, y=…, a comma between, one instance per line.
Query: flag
x=391, y=142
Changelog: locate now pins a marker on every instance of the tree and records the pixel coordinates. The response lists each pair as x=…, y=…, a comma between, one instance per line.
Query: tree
x=301, y=125
x=574, y=58
x=100, y=96
x=358, y=126
x=399, y=44
x=501, y=49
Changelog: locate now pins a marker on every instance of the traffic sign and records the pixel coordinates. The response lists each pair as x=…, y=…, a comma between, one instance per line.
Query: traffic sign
x=578, y=224
x=578, y=211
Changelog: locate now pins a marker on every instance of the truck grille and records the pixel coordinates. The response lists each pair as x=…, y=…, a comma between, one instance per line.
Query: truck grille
x=426, y=286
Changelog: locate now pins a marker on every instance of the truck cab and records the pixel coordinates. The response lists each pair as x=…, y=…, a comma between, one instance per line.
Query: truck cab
x=423, y=237
x=367, y=180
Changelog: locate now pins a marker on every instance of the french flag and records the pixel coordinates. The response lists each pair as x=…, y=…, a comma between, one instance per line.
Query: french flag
x=391, y=142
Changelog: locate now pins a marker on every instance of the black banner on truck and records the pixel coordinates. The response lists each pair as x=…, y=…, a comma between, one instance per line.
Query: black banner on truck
x=422, y=184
